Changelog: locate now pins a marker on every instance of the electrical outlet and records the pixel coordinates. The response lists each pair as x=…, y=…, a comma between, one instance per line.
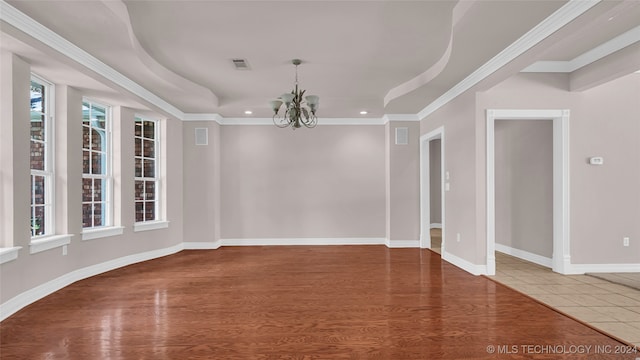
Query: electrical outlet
x=458, y=237
x=625, y=241
x=64, y=250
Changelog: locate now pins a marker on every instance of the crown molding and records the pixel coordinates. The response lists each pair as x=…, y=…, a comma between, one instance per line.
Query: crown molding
x=548, y=26
x=202, y=117
x=400, y=117
x=321, y=121
x=24, y=23
x=619, y=42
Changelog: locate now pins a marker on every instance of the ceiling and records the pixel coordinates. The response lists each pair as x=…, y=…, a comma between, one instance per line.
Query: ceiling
x=383, y=57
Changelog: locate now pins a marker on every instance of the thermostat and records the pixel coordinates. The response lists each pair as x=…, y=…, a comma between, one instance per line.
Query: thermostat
x=596, y=160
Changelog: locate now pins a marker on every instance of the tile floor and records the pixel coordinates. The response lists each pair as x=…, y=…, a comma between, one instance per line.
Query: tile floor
x=612, y=308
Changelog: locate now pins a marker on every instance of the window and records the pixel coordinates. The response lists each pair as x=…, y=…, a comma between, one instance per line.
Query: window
x=96, y=166
x=147, y=180
x=41, y=125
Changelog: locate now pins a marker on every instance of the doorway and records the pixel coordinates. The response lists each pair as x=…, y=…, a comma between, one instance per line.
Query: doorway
x=524, y=190
x=560, y=259
x=432, y=209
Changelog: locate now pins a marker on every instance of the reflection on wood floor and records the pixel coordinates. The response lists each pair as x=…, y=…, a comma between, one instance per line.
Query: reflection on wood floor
x=305, y=302
x=436, y=240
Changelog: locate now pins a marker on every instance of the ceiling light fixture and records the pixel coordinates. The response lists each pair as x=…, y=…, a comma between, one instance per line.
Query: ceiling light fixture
x=295, y=113
x=248, y=112
x=363, y=112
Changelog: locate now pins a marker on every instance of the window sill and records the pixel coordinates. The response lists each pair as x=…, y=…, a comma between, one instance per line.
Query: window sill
x=152, y=225
x=102, y=232
x=48, y=242
x=9, y=254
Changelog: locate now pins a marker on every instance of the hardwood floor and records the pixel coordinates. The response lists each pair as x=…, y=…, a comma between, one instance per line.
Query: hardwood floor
x=306, y=302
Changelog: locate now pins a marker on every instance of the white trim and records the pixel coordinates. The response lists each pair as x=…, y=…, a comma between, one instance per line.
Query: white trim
x=321, y=121
x=25, y=298
x=107, y=176
x=464, y=264
x=548, y=26
x=9, y=254
x=399, y=117
x=197, y=245
x=576, y=269
x=203, y=117
x=525, y=255
x=425, y=187
x=561, y=259
x=619, y=42
x=44, y=243
x=435, y=226
x=48, y=173
x=102, y=232
x=150, y=225
x=400, y=244
x=24, y=23
x=302, y=241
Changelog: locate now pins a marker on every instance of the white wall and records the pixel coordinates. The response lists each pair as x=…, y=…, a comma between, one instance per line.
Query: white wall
x=461, y=204
x=604, y=200
x=403, y=184
x=201, y=184
x=328, y=182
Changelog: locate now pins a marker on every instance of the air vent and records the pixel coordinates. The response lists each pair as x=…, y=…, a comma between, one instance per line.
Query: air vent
x=240, y=64
x=202, y=136
x=402, y=136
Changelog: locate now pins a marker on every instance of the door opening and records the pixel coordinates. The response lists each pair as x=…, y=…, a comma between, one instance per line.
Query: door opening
x=524, y=190
x=432, y=213
x=560, y=259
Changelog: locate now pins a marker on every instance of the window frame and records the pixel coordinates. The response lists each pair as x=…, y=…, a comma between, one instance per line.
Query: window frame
x=158, y=220
x=107, y=177
x=48, y=172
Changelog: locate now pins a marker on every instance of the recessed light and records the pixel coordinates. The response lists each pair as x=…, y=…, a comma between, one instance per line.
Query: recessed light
x=363, y=112
x=248, y=112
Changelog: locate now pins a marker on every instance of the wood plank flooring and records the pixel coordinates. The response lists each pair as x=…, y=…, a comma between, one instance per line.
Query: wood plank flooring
x=306, y=302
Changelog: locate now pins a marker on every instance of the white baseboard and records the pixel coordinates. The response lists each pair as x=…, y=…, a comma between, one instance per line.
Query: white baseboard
x=302, y=241
x=576, y=269
x=464, y=264
x=196, y=245
x=435, y=226
x=32, y=295
x=396, y=244
x=525, y=255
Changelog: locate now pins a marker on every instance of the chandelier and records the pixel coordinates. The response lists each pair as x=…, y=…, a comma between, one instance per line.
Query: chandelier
x=296, y=114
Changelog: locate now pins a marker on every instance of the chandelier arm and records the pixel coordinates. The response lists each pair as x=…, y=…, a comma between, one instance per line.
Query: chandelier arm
x=311, y=122
x=279, y=121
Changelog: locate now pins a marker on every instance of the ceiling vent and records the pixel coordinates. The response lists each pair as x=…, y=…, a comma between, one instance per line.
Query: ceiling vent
x=240, y=64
